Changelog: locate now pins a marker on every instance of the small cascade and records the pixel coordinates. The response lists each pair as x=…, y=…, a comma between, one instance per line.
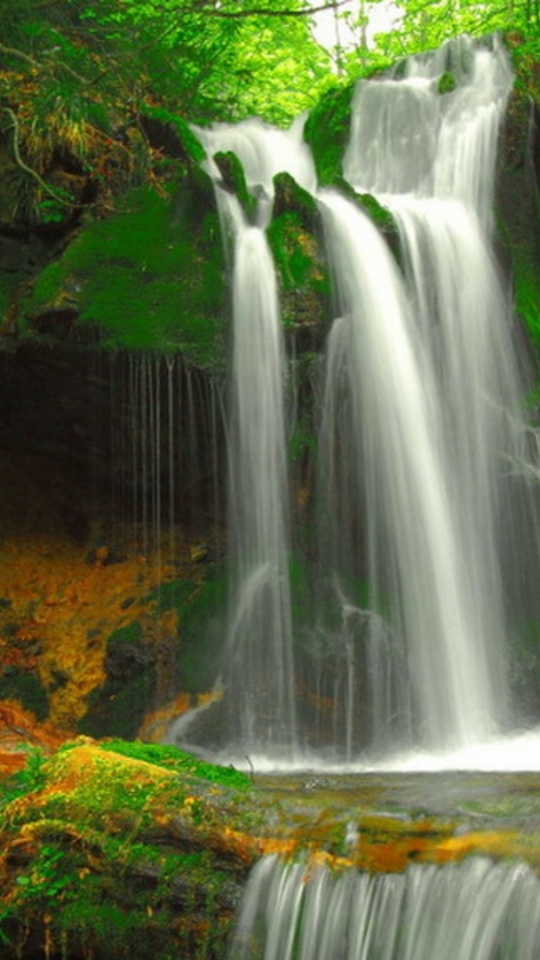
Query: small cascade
x=475, y=910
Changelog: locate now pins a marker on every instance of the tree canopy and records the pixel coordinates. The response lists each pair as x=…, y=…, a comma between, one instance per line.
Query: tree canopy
x=77, y=77
x=421, y=25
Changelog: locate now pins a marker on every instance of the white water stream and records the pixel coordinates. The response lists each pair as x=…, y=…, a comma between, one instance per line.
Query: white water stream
x=424, y=365
x=476, y=910
x=418, y=425
x=258, y=665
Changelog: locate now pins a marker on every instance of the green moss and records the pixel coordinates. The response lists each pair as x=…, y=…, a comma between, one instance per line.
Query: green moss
x=234, y=180
x=527, y=292
x=119, y=705
x=381, y=216
x=191, y=146
x=290, y=197
x=201, y=634
x=302, y=273
x=150, y=277
x=327, y=132
x=447, y=83
x=171, y=596
x=171, y=758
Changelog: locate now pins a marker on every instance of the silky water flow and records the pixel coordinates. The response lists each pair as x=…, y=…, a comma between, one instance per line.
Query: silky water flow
x=258, y=671
x=424, y=366
x=422, y=522
x=476, y=910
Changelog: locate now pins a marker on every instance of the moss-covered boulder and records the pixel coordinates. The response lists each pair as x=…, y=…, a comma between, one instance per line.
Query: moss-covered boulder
x=149, y=277
x=233, y=180
x=295, y=240
x=120, y=852
x=327, y=132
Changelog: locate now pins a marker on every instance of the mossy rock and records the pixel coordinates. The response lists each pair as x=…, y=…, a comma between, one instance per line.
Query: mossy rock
x=518, y=210
x=327, y=132
x=130, y=845
x=290, y=197
x=171, y=133
x=234, y=181
x=201, y=610
x=119, y=705
x=26, y=688
x=150, y=277
x=302, y=273
x=381, y=216
x=447, y=83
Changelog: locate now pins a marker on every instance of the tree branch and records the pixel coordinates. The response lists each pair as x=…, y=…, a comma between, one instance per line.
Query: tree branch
x=261, y=12
x=11, y=52
x=33, y=173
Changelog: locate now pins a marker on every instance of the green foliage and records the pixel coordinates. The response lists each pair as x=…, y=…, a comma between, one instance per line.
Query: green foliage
x=194, y=57
x=48, y=879
x=50, y=210
x=419, y=26
x=30, y=778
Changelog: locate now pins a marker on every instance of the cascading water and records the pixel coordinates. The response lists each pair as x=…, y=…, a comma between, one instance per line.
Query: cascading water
x=421, y=393
x=406, y=636
x=258, y=666
x=476, y=910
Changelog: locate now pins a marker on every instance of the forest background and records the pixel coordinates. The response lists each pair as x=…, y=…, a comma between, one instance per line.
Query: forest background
x=75, y=77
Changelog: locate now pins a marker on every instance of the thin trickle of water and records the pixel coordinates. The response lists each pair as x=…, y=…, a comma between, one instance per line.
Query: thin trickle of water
x=476, y=910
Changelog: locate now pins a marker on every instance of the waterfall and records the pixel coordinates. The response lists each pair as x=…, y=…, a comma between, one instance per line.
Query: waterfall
x=476, y=910
x=420, y=526
x=258, y=665
x=421, y=394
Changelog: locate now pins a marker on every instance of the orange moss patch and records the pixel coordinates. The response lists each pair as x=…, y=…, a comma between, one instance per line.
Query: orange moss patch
x=82, y=763
x=426, y=842
x=60, y=609
x=19, y=730
x=491, y=843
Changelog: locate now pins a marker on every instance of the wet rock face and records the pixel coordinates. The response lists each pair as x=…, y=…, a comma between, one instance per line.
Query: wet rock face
x=45, y=402
x=72, y=410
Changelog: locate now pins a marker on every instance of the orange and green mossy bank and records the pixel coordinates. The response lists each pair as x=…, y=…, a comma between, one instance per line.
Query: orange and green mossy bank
x=119, y=849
